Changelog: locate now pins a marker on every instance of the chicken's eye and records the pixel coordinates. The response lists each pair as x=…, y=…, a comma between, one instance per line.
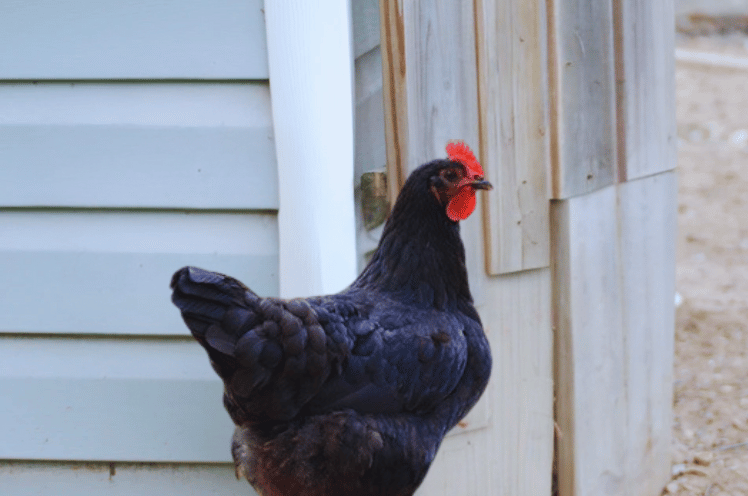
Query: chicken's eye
x=450, y=175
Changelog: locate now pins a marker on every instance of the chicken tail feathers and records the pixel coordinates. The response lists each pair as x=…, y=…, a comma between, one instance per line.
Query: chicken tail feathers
x=271, y=354
x=218, y=310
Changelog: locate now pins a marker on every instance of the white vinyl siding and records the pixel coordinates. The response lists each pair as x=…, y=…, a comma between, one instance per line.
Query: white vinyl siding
x=135, y=138
x=132, y=39
x=145, y=145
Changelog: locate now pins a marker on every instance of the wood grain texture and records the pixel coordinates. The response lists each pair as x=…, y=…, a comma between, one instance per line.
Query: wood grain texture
x=430, y=80
x=393, y=45
x=645, y=68
x=518, y=307
x=120, y=479
x=513, y=454
x=133, y=39
x=514, y=122
x=648, y=231
x=614, y=320
x=137, y=145
x=108, y=272
x=590, y=346
x=433, y=98
x=583, y=96
x=111, y=400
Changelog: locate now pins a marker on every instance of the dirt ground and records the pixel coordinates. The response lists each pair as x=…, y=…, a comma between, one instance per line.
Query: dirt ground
x=710, y=430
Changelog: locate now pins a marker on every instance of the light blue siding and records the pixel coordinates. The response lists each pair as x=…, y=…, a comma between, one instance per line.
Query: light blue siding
x=132, y=39
x=137, y=145
x=111, y=400
x=141, y=479
x=107, y=186
x=83, y=272
x=119, y=166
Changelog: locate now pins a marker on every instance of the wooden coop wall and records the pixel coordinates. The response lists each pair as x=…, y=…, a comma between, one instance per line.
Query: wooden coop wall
x=613, y=242
x=571, y=106
x=441, y=63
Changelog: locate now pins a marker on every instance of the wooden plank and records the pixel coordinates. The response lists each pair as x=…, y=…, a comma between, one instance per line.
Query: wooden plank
x=583, y=96
x=519, y=439
x=590, y=395
x=109, y=272
x=393, y=46
x=119, y=479
x=137, y=145
x=614, y=320
x=646, y=71
x=137, y=39
x=518, y=307
x=436, y=99
x=456, y=469
x=442, y=84
x=111, y=400
x=514, y=121
x=431, y=96
x=648, y=234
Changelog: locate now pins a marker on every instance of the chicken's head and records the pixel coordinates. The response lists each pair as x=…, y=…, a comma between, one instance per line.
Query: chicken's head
x=455, y=184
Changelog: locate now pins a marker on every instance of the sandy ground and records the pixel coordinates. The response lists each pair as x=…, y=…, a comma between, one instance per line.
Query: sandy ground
x=710, y=436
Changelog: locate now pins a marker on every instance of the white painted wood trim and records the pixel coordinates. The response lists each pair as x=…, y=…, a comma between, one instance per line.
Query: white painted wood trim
x=310, y=54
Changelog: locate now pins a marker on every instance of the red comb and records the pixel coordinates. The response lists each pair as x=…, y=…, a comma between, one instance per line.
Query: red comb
x=458, y=151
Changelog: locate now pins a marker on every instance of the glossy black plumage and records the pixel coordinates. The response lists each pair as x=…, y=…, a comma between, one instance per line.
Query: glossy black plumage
x=349, y=394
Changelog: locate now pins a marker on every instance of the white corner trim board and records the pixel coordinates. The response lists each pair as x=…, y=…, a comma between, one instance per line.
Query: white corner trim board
x=310, y=55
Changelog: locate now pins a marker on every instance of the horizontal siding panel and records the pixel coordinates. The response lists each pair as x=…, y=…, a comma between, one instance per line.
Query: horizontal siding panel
x=109, y=272
x=116, y=166
x=113, y=400
x=136, y=39
x=137, y=145
x=75, y=479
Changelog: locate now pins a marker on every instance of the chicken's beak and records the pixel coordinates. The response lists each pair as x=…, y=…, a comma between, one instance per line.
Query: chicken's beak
x=480, y=183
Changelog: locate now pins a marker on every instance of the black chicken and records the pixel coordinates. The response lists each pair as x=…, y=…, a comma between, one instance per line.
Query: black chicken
x=351, y=394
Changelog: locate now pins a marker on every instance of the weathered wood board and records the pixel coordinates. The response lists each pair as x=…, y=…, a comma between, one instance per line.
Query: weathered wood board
x=515, y=153
x=582, y=96
x=614, y=276
x=431, y=97
x=513, y=454
x=646, y=74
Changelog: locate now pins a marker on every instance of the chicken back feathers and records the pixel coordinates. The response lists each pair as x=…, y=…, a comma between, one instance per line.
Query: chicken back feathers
x=352, y=393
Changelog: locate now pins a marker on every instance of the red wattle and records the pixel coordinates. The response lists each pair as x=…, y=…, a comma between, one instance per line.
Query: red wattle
x=462, y=205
